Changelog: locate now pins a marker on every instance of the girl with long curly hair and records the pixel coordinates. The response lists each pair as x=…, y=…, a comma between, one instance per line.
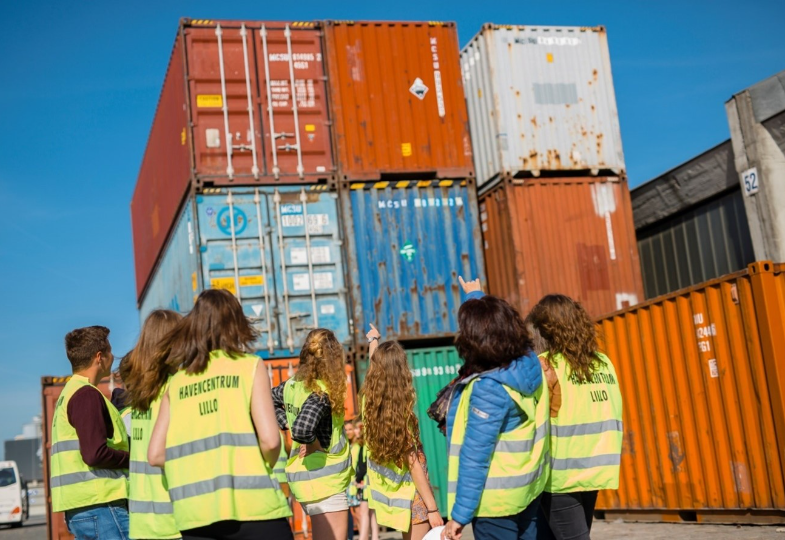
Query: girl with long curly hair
x=145, y=376
x=586, y=417
x=311, y=406
x=396, y=463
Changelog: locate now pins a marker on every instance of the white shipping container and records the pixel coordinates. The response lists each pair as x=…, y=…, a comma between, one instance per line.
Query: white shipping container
x=541, y=99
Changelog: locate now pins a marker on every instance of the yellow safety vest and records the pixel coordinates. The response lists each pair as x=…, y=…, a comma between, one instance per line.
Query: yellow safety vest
x=519, y=467
x=586, y=436
x=150, y=510
x=321, y=474
x=390, y=492
x=214, y=466
x=74, y=484
x=280, y=465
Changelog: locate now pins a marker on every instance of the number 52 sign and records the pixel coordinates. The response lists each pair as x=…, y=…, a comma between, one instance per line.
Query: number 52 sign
x=751, y=181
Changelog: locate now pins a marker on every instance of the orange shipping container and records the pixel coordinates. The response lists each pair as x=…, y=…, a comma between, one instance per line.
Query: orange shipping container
x=573, y=236
x=703, y=380
x=396, y=97
x=51, y=387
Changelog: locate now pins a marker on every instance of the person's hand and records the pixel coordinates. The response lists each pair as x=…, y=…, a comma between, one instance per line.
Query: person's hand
x=435, y=519
x=452, y=531
x=360, y=485
x=310, y=448
x=373, y=333
x=471, y=286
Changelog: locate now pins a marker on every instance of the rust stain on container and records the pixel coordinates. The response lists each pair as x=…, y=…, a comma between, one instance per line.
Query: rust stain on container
x=393, y=83
x=571, y=235
x=702, y=373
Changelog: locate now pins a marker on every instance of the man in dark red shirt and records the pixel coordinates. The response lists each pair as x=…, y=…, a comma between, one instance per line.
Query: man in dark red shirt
x=94, y=497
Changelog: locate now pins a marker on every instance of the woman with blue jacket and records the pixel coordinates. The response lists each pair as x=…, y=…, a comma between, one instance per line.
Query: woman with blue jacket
x=496, y=424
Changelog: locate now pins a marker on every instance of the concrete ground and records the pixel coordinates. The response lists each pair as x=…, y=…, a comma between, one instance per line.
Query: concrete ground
x=617, y=530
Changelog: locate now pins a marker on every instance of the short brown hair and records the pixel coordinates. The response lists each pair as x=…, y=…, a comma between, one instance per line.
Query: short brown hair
x=491, y=334
x=82, y=344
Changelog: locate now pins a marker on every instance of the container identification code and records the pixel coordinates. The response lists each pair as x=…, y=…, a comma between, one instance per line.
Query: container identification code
x=321, y=281
x=421, y=202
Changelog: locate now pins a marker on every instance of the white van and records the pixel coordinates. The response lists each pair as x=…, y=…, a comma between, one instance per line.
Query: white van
x=13, y=495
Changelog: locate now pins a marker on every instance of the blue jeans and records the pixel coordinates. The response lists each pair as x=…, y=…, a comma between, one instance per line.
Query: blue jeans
x=522, y=526
x=104, y=522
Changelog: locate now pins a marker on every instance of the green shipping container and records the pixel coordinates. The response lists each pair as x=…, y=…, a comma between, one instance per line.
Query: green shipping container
x=432, y=370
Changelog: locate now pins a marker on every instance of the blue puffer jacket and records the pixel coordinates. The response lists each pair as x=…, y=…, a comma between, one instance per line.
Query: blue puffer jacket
x=492, y=411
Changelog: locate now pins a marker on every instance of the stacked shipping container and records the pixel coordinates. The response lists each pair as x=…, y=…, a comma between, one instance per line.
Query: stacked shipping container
x=702, y=378
x=544, y=125
x=334, y=196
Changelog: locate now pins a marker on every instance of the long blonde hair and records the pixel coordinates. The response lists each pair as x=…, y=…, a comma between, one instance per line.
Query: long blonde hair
x=144, y=369
x=322, y=359
x=390, y=426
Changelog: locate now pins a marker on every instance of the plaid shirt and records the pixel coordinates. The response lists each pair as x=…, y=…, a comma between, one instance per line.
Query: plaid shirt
x=313, y=422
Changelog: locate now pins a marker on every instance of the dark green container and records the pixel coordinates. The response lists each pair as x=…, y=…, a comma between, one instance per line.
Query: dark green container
x=432, y=370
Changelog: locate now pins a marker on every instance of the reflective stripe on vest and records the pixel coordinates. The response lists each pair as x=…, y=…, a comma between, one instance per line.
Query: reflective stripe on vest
x=320, y=474
x=519, y=465
x=586, y=436
x=75, y=484
x=280, y=466
x=150, y=510
x=214, y=466
x=391, y=494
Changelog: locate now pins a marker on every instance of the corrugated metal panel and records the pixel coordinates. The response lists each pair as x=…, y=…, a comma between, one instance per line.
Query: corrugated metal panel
x=163, y=176
x=397, y=99
x=702, y=382
x=408, y=242
x=694, y=246
x=285, y=288
x=693, y=182
x=188, y=144
x=572, y=236
x=51, y=388
x=541, y=99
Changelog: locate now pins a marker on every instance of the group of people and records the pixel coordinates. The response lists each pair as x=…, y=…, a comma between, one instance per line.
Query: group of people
x=530, y=439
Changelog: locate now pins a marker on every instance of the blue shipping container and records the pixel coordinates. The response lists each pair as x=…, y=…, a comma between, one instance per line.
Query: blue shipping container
x=254, y=243
x=407, y=244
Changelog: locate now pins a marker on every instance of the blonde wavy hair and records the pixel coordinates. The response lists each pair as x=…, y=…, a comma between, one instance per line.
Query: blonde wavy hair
x=322, y=359
x=390, y=426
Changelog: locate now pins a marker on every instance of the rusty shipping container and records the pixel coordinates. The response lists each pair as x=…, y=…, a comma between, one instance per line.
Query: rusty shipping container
x=573, y=236
x=407, y=243
x=242, y=103
x=541, y=102
x=397, y=100
x=702, y=374
x=51, y=387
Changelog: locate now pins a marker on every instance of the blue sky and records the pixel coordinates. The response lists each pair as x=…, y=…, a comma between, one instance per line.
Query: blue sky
x=79, y=85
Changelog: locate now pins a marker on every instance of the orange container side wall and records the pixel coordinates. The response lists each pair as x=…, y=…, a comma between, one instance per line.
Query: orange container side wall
x=165, y=172
x=573, y=236
x=699, y=419
x=382, y=126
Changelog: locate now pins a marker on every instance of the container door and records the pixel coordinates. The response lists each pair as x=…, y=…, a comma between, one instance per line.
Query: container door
x=224, y=102
x=296, y=131
x=309, y=269
x=237, y=255
x=410, y=241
